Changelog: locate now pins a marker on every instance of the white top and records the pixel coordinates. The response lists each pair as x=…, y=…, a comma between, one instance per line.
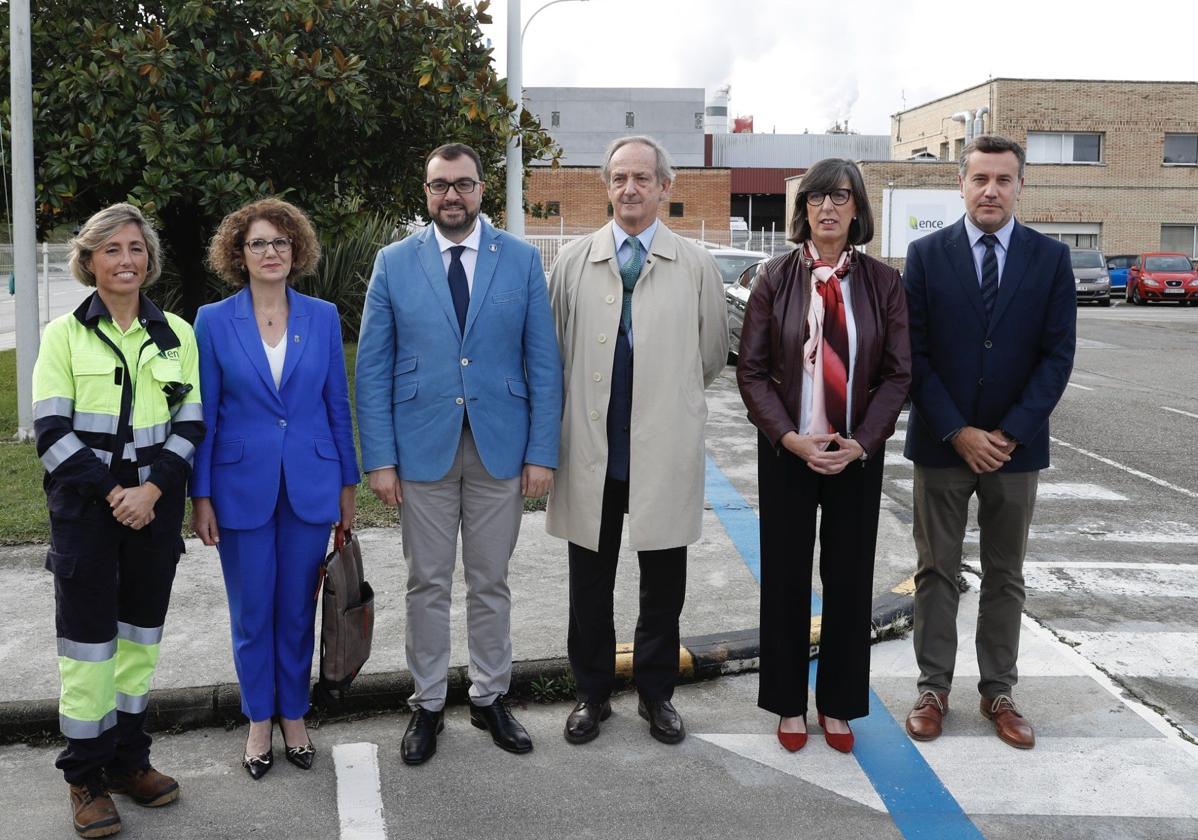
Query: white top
x=979, y=250
x=809, y=380
x=469, y=256
x=275, y=357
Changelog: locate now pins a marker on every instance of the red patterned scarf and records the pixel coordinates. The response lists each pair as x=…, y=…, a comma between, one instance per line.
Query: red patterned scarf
x=826, y=350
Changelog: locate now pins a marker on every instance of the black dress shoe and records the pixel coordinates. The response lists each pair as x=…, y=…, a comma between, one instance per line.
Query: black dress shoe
x=506, y=731
x=583, y=723
x=420, y=739
x=665, y=724
x=301, y=756
x=259, y=765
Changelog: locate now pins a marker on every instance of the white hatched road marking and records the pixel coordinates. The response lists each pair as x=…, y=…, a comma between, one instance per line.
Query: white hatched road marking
x=1180, y=535
x=1053, y=490
x=1130, y=470
x=1179, y=581
x=1075, y=385
x=1179, y=411
x=1103, y=564
x=1168, y=655
x=359, y=792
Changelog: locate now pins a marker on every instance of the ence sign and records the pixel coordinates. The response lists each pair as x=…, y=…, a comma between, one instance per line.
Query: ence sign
x=908, y=215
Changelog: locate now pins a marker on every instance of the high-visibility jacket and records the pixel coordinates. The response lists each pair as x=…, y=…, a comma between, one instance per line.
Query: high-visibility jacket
x=89, y=412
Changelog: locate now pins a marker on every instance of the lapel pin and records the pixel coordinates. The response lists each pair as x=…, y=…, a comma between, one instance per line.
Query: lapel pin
x=296, y=339
x=493, y=248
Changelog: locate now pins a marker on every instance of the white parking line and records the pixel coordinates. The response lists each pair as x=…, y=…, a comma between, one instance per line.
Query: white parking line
x=1131, y=470
x=1075, y=385
x=359, y=792
x=1179, y=411
x=1052, y=490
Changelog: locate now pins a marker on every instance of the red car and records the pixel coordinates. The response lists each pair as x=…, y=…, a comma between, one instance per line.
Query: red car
x=1161, y=276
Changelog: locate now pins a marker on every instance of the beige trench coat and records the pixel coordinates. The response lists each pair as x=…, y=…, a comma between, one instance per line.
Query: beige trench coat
x=680, y=345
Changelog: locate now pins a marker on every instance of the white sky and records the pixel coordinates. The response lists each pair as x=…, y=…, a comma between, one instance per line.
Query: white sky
x=801, y=65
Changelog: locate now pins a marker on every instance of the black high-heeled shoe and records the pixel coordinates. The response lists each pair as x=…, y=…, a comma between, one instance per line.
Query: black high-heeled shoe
x=259, y=765
x=302, y=755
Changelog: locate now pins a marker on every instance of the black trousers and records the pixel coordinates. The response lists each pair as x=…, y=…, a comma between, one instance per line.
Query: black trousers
x=790, y=493
x=592, y=638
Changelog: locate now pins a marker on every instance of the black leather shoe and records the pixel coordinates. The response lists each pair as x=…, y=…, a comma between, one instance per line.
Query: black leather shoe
x=259, y=765
x=420, y=739
x=301, y=756
x=506, y=731
x=583, y=723
x=665, y=724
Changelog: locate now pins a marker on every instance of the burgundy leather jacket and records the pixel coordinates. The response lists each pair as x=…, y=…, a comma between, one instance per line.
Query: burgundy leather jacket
x=770, y=369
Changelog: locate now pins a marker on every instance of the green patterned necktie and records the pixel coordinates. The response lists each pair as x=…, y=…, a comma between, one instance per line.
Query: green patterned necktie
x=629, y=272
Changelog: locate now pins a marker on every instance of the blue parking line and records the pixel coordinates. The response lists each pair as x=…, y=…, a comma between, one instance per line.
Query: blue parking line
x=919, y=804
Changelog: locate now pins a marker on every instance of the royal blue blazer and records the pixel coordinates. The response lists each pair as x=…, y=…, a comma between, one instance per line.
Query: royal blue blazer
x=300, y=433
x=1007, y=372
x=419, y=376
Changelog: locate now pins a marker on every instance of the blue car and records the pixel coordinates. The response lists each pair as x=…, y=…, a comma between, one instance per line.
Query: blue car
x=1117, y=267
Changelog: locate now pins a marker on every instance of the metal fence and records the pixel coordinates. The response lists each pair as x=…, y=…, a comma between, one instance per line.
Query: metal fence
x=771, y=242
x=51, y=270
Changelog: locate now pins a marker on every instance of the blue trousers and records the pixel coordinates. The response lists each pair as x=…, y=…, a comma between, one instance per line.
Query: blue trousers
x=270, y=577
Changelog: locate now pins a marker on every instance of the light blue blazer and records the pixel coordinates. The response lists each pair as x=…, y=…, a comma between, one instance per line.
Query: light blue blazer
x=418, y=375
x=300, y=432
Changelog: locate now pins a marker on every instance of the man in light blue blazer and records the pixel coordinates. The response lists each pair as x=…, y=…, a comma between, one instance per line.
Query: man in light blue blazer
x=459, y=394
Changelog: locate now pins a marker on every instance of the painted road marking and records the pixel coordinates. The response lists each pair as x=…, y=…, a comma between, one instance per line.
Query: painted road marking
x=1075, y=385
x=1179, y=411
x=1139, y=654
x=1167, y=533
x=359, y=792
x=919, y=804
x=1130, y=470
x=1052, y=490
x=1135, y=582
x=1103, y=564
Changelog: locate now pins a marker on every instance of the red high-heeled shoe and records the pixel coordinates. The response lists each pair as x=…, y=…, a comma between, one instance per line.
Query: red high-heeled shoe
x=842, y=741
x=792, y=741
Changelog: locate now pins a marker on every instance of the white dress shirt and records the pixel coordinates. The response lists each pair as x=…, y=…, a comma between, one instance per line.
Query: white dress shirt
x=469, y=256
x=979, y=250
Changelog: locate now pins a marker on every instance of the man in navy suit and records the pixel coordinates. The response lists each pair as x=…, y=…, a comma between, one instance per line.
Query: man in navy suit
x=459, y=393
x=993, y=320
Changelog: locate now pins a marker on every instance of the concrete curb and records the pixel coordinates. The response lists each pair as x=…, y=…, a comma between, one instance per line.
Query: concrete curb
x=700, y=658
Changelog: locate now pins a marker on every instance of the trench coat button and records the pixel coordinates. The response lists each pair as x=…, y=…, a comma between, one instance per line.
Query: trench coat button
x=610, y=298
x=982, y=381
x=460, y=401
x=594, y=415
x=465, y=362
x=602, y=338
x=988, y=344
x=282, y=423
x=597, y=376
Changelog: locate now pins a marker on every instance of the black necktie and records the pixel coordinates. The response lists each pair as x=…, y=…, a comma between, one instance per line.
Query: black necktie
x=459, y=290
x=989, y=273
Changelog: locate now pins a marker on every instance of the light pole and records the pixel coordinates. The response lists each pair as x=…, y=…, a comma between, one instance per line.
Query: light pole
x=514, y=209
x=24, y=234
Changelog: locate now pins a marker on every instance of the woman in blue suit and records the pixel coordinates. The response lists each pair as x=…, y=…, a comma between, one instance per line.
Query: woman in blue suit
x=278, y=468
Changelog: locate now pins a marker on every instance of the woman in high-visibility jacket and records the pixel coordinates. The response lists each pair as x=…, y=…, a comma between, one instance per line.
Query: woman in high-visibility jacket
x=117, y=415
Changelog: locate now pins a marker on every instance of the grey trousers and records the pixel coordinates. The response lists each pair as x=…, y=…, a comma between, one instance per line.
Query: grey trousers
x=487, y=511
x=941, y=503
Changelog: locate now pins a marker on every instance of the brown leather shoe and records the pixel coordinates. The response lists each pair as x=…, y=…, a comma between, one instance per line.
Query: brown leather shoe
x=1011, y=726
x=93, y=811
x=926, y=719
x=147, y=787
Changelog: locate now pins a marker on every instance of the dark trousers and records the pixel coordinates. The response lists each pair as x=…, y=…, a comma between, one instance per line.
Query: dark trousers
x=592, y=637
x=848, y=530
x=109, y=581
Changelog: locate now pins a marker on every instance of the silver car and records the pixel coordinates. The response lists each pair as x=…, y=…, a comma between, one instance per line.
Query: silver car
x=1090, y=276
x=736, y=295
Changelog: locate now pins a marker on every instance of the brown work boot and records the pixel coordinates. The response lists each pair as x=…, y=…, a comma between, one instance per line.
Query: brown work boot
x=146, y=787
x=1012, y=727
x=93, y=811
x=926, y=719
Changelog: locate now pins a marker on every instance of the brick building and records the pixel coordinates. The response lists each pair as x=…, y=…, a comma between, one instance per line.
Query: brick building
x=1111, y=164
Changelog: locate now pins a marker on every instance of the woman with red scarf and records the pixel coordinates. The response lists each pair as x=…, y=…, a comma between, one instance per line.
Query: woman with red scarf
x=824, y=367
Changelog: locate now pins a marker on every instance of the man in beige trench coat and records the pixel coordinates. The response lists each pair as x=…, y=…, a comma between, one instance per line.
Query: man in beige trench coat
x=643, y=330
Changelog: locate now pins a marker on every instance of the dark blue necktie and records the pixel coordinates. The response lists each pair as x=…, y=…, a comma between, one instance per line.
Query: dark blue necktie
x=459, y=290
x=989, y=274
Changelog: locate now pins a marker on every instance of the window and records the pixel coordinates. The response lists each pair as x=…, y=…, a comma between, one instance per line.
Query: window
x=553, y=209
x=958, y=148
x=676, y=209
x=1181, y=148
x=698, y=119
x=1051, y=147
x=1076, y=240
x=629, y=119
x=555, y=119
x=1181, y=238
x=944, y=151
x=609, y=210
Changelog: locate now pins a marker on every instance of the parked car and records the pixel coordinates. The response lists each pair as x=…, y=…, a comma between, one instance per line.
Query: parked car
x=1090, y=276
x=1116, y=268
x=736, y=295
x=1162, y=276
x=732, y=261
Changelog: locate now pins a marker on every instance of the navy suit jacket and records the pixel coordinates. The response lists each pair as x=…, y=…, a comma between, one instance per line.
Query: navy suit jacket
x=418, y=375
x=1007, y=373
x=300, y=432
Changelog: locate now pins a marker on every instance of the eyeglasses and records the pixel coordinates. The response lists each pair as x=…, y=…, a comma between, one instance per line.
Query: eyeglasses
x=258, y=246
x=838, y=197
x=461, y=186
